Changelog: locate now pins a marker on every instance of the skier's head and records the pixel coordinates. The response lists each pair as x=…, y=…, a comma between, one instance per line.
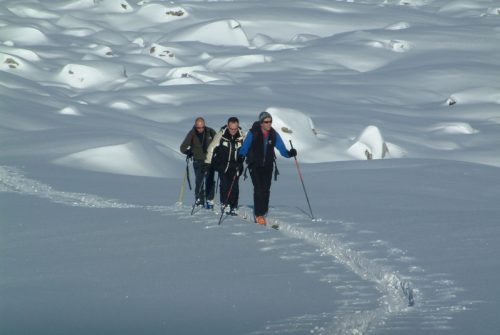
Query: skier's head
x=265, y=120
x=265, y=116
x=233, y=124
x=199, y=124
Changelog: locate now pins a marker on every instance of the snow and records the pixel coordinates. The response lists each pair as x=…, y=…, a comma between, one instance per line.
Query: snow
x=392, y=105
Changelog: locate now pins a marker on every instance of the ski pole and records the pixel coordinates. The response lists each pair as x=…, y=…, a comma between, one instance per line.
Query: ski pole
x=217, y=183
x=228, y=195
x=202, y=185
x=302, y=180
x=183, y=188
x=187, y=173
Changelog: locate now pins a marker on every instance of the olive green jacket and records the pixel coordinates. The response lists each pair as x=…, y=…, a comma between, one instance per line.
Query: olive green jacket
x=198, y=148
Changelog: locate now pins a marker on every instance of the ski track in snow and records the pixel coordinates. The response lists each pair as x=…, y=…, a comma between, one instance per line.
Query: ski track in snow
x=433, y=299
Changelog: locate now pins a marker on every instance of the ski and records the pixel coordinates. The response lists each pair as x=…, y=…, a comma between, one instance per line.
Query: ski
x=244, y=213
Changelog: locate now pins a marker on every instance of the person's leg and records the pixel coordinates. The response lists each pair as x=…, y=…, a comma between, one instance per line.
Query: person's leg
x=233, y=198
x=224, y=187
x=258, y=191
x=199, y=192
x=235, y=194
x=267, y=177
x=210, y=184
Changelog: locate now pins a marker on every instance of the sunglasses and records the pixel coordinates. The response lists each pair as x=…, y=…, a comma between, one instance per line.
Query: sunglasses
x=267, y=121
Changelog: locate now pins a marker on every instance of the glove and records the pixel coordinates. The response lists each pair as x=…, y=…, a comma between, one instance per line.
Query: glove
x=188, y=153
x=292, y=152
x=239, y=165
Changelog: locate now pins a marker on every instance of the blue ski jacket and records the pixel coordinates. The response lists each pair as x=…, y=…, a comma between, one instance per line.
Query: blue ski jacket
x=260, y=152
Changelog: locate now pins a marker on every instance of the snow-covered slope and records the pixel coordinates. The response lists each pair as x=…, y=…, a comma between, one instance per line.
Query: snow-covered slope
x=96, y=96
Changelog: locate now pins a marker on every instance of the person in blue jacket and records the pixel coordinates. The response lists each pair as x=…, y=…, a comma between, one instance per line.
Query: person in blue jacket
x=258, y=148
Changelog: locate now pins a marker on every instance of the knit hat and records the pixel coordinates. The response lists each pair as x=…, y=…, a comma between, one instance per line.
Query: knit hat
x=264, y=115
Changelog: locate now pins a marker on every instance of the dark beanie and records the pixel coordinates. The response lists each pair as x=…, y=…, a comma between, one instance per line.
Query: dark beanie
x=264, y=115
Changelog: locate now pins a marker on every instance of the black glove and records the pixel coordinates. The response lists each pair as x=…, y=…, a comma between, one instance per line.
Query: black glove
x=188, y=153
x=292, y=152
x=241, y=159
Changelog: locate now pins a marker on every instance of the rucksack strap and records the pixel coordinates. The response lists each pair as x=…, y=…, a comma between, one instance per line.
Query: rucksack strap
x=245, y=173
x=276, y=172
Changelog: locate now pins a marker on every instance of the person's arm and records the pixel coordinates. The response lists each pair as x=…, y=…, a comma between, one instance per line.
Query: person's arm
x=187, y=142
x=280, y=145
x=210, y=150
x=247, y=143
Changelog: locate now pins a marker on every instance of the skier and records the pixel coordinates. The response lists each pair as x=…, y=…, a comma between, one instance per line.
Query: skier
x=258, y=148
x=195, y=145
x=223, y=156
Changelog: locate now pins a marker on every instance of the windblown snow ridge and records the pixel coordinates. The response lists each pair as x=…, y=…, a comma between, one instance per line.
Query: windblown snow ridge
x=389, y=281
x=397, y=293
x=12, y=180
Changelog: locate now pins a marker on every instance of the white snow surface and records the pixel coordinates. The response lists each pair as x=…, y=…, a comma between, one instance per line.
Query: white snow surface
x=96, y=235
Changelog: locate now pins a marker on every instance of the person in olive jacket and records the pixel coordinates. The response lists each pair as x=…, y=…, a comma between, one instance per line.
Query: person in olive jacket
x=223, y=155
x=195, y=145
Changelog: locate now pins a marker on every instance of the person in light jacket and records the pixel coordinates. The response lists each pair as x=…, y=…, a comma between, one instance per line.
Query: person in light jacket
x=223, y=155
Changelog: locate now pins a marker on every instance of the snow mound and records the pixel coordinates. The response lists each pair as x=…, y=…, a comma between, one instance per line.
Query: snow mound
x=413, y=3
x=163, y=98
x=76, y=4
x=303, y=38
x=133, y=158
x=454, y=128
x=265, y=42
x=34, y=11
x=222, y=32
x=185, y=71
x=371, y=145
x=164, y=53
x=91, y=74
x=475, y=95
x=211, y=77
x=23, y=35
x=493, y=11
x=177, y=55
x=18, y=65
x=23, y=53
x=121, y=104
x=296, y=126
x=260, y=40
x=9, y=62
x=187, y=80
x=70, y=110
x=113, y=6
x=464, y=7
x=98, y=50
x=393, y=45
x=236, y=62
x=398, y=26
x=158, y=13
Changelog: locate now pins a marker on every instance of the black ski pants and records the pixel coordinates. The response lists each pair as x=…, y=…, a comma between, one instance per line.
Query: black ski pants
x=261, y=180
x=204, y=190
x=226, y=179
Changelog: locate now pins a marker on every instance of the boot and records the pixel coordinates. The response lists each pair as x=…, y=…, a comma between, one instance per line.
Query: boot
x=260, y=220
x=232, y=212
